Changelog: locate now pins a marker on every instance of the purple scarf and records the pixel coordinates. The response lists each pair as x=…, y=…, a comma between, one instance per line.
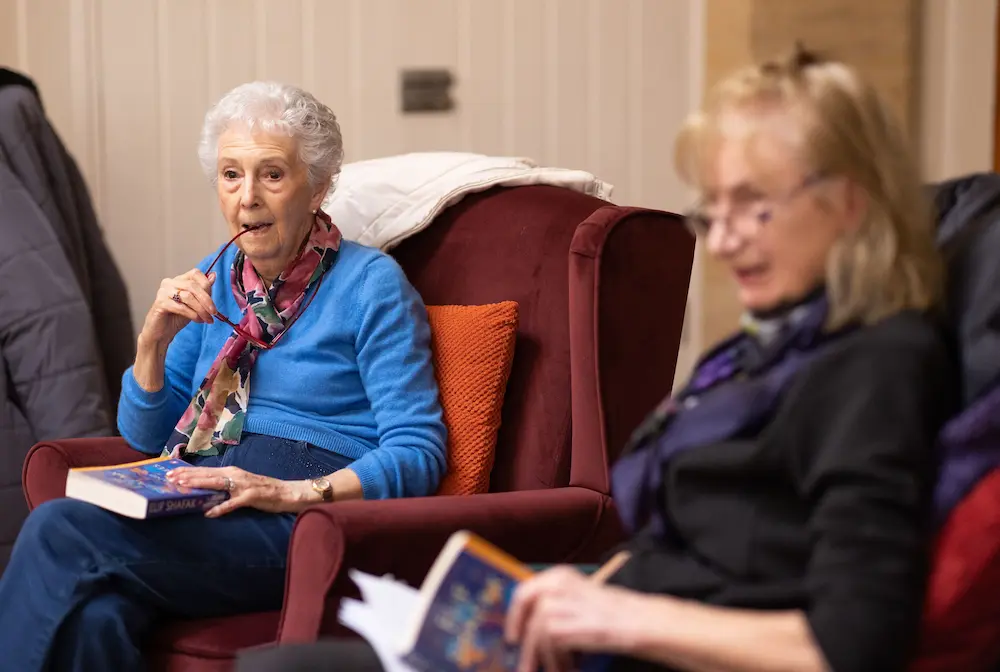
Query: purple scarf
x=734, y=393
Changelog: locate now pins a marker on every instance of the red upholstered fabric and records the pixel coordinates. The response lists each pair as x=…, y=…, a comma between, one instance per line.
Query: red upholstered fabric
x=217, y=638
x=601, y=292
x=961, y=628
x=511, y=245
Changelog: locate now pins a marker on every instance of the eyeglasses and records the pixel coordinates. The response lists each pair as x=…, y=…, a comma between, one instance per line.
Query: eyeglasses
x=748, y=215
x=240, y=331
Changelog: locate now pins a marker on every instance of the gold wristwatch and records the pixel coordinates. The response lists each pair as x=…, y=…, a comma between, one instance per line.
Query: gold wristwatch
x=323, y=487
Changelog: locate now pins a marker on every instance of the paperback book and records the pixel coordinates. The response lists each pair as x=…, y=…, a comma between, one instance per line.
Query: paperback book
x=454, y=623
x=140, y=489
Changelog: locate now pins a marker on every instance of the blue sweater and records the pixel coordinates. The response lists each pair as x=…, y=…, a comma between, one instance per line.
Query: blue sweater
x=354, y=375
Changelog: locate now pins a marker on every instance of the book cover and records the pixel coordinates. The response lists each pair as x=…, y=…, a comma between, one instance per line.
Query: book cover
x=140, y=489
x=466, y=596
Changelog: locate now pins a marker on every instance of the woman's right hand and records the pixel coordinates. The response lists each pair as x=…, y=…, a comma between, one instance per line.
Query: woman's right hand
x=167, y=316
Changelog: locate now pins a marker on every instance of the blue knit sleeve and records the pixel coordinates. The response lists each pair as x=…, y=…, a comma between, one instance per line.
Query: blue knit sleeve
x=145, y=419
x=394, y=358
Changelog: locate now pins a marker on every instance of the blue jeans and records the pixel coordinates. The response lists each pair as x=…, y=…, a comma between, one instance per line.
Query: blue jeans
x=85, y=587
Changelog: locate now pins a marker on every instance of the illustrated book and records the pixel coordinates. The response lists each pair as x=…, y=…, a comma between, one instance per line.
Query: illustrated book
x=140, y=489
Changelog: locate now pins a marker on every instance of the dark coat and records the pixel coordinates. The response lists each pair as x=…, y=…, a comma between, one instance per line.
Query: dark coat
x=32, y=150
x=65, y=330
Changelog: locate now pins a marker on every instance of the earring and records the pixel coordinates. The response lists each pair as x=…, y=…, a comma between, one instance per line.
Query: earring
x=314, y=212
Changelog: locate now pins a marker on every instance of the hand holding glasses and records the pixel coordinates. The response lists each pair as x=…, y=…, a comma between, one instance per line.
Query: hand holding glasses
x=190, y=294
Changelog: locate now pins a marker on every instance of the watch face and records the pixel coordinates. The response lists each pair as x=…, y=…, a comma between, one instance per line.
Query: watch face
x=321, y=484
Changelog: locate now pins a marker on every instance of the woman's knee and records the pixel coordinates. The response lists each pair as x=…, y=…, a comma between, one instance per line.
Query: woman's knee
x=61, y=526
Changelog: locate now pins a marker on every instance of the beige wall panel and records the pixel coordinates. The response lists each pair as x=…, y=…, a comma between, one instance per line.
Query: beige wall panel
x=526, y=119
x=280, y=44
x=957, y=86
x=377, y=130
x=191, y=222
x=332, y=72
x=611, y=98
x=485, y=74
x=10, y=34
x=568, y=83
x=233, y=44
x=133, y=184
x=48, y=55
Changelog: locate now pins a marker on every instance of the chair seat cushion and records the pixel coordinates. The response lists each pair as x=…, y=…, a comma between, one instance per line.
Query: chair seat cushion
x=218, y=637
x=473, y=349
x=961, y=626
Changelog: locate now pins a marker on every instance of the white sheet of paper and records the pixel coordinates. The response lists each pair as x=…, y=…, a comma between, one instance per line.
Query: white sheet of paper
x=382, y=617
x=367, y=622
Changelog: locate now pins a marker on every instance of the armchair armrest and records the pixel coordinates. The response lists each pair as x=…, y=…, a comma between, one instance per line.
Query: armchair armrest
x=403, y=537
x=44, y=473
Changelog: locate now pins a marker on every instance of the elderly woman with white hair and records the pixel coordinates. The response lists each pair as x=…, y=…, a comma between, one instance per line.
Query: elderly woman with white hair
x=343, y=405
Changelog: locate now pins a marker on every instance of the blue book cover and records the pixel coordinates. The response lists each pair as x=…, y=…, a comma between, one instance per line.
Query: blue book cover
x=140, y=489
x=465, y=601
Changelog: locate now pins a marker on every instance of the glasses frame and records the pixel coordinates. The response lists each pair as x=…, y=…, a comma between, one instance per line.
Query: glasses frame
x=240, y=331
x=700, y=224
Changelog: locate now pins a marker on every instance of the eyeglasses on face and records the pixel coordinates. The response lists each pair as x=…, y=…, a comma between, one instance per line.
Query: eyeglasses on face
x=746, y=215
x=240, y=331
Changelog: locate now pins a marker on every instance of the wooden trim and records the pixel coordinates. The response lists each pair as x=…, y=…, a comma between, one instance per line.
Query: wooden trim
x=996, y=96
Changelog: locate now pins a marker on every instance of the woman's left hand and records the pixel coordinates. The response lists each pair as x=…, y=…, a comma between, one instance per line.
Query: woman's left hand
x=561, y=611
x=245, y=489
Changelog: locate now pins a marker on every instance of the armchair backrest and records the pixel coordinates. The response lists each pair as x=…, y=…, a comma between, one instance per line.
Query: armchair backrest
x=601, y=292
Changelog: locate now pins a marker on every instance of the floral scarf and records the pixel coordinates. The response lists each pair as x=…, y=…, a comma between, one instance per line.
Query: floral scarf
x=214, y=419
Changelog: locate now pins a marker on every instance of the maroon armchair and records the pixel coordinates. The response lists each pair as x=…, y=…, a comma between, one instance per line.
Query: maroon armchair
x=602, y=291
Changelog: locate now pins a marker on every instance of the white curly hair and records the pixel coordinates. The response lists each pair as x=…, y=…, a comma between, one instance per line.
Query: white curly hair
x=277, y=108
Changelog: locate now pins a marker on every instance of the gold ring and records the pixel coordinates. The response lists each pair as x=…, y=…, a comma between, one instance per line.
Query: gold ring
x=228, y=482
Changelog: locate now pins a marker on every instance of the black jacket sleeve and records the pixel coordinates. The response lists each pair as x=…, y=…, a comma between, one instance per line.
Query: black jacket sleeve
x=46, y=332
x=866, y=461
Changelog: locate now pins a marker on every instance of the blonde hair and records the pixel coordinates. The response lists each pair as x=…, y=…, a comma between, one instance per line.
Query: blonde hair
x=891, y=263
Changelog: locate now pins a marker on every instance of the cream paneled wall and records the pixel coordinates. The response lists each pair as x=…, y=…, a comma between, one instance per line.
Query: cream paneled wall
x=594, y=84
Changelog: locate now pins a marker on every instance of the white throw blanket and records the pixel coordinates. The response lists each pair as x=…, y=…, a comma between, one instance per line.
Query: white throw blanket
x=380, y=202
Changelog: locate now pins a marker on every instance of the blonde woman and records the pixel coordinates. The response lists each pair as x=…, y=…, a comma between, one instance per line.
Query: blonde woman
x=779, y=503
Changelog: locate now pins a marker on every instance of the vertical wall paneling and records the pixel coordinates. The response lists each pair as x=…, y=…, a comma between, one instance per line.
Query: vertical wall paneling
x=279, y=40
x=233, y=51
x=957, y=85
x=133, y=190
x=378, y=98
x=332, y=76
x=9, y=42
x=309, y=58
x=568, y=33
x=530, y=121
x=21, y=22
x=81, y=77
x=635, y=73
x=611, y=95
x=47, y=56
x=485, y=75
x=192, y=225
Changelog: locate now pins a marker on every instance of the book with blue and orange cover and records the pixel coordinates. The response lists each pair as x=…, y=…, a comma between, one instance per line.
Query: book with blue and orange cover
x=140, y=489
x=459, y=624
x=455, y=622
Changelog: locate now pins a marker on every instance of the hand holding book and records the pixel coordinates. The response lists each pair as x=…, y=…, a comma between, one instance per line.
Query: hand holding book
x=460, y=619
x=561, y=612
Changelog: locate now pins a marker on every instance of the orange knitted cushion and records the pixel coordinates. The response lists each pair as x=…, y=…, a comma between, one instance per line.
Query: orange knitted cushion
x=473, y=348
